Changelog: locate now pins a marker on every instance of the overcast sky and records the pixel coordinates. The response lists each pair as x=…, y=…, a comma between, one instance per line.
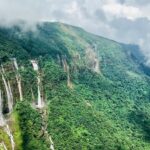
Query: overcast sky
x=126, y=21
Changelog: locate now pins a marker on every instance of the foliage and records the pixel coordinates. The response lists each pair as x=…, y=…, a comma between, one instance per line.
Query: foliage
x=108, y=111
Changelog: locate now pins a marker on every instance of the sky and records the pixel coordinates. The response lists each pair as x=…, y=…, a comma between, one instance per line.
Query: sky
x=126, y=21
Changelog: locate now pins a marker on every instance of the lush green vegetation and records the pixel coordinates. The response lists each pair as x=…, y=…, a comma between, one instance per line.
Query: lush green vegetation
x=109, y=110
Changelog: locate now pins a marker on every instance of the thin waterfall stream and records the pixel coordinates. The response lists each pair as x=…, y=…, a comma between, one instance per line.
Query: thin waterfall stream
x=8, y=91
x=2, y=121
x=18, y=78
x=8, y=131
x=67, y=70
x=40, y=99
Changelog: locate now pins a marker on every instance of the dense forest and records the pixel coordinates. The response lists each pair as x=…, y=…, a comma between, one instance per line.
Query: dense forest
x=63, y=88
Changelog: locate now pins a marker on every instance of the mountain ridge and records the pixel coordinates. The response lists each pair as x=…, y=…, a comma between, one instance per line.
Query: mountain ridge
x=80, y=91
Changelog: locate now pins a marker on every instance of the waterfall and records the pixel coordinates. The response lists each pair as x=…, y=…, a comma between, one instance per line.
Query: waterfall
x=64, y=62
x=8, y=91
x=36, y=68
x=69, y=83
x=52, y=144
x=5, y=125
x=44, y=116
x=67, y=70
x=92, y=57
x=35, y=65
x=2, y=121
x=96, y=65
x=18, y=78
x=96, y=60
x=39, y=92
x=7, y=130
x=2, y=144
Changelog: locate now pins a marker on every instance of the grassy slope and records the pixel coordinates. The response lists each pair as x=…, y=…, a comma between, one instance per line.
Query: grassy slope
x=106, y=111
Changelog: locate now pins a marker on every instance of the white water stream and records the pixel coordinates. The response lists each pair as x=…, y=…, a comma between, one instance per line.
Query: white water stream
x=51, y=144
x=8, y=131
x=8, y=91
x=67, y=70
x=2, y=144
x=18, y=78
x=36, y=68
x=96, y=60
x=2, y=121
x=64, y=62
x=11, y=95
x=96, y=65
x=69, y=83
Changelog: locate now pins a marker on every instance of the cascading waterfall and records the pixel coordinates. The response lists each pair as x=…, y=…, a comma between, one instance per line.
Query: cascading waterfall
x=67, y=70
x=5, y=125
x=8, y=91
x=11, y=95
x=18, y=78
x=69, y=83
x=96, y=65
x=51, y=143
x=2, y=121
x=8, y=131
x=96, y=60
x=36, y=68
x=44, y=128
x=2, y=144
x=92, y=58
x=64, y=62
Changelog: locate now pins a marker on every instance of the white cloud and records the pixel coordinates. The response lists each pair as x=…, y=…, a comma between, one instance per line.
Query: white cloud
x=120, y=10
x=11, y=11
x=72, y=8
x=127, y=21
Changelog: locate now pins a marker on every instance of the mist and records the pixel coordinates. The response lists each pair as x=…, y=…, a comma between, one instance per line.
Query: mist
x=126, y=21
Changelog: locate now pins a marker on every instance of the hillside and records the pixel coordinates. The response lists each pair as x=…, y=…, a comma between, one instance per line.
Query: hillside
x=63, y=88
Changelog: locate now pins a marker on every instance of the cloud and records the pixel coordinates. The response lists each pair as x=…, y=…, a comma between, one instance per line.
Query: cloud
x=135, y=2
x=127, y=21
x=122, y=11
x=136, y=32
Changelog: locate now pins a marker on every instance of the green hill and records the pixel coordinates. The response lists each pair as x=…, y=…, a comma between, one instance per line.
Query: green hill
x=95, y=91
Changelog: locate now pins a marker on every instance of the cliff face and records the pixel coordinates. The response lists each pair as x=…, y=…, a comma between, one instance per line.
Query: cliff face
x=64, y=88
